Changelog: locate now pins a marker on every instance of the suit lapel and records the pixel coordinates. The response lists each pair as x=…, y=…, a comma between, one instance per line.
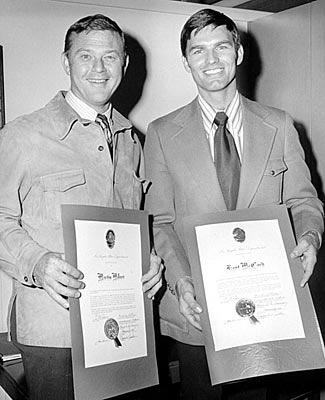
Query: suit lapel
x=193, y=148
x=190, y=141
x=258, y=140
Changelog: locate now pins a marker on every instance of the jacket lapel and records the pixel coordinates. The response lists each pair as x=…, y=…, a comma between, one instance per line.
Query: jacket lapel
x=193, y=148
x=258, y=140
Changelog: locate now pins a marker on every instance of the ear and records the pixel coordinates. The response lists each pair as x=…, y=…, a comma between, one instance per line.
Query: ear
x=65, y=63
x=186, y=66
x=240, y=55
x=126, y=63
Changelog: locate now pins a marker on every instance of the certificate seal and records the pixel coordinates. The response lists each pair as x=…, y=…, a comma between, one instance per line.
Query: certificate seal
x=239, y=235
x=111, y=330
x=246, y=309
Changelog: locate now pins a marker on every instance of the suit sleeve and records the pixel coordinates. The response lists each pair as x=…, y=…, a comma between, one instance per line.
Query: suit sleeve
x=299, y=194
x=160, y=202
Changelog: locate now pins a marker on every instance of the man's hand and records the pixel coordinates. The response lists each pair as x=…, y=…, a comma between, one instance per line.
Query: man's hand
x=152, y=280
x=58, y=278
x=306, y=249
x=188, y=306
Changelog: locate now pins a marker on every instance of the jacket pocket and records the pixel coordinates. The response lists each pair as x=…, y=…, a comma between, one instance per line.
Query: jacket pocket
x=270, y=190
x=275, y=167
x=66, y=187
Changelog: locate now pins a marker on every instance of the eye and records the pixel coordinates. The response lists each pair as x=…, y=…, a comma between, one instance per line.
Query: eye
x=223, y=46
x=85, y=57
x=111, y=57
x=197, y=51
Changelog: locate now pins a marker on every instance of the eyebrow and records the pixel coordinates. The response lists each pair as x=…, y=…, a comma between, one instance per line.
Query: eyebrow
x=200, y=46
x=91, y=50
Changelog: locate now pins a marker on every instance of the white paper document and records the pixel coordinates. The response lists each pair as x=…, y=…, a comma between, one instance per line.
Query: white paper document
x=248, y=285
x=112, y=304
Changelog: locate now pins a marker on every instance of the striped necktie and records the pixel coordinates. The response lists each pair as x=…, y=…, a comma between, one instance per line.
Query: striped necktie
x=103, y=122
x=226, y=161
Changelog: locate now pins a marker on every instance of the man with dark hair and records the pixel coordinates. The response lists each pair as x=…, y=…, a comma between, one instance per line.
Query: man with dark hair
x=76, y=150
x=220, y=152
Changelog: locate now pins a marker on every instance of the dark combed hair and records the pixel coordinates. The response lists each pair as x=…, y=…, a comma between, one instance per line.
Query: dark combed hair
x=206, y=17
x=97, y=22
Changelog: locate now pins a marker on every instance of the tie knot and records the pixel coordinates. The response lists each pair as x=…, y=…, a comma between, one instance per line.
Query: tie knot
x=220, y=118
x=101, y=119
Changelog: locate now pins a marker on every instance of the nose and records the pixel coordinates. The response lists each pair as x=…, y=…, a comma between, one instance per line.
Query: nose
x=98, y=65
x=212, y=56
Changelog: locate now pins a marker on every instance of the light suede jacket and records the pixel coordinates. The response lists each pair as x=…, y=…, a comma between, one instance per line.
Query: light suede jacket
x=184, y=182
x=48, y=158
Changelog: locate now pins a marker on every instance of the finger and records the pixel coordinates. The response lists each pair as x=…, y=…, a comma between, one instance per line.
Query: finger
x=147, y=285
x=152, y=292
x=298, y=251
x=197, y=318
x=57, y=298
x=302, y=247
x=65, y=273
x=152, y=285
x=192, y=303
x=305, y=278
x=304, y=281
x=70, y=282
x=55, y=275
x=308, y=265
x=148, y=275
x=61, y=289
x=192, y=320
x=58, y=269
x=154, y=268
x=69, y=269
x=196, y=324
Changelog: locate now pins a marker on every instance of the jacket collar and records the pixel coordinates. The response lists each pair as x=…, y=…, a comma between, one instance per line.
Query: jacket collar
x=65, y=117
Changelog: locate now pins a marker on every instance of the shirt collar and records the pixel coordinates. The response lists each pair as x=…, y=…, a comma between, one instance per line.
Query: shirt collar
x=209, y=112
x=84, y=110
x=66, y=117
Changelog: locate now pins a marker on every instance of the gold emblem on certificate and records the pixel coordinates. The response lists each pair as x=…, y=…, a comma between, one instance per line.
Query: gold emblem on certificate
x=246, y=309
x=111, y=329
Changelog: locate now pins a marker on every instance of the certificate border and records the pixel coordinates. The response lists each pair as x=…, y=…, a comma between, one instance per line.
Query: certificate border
x=265, y=358
x=2, y=91
x=106, y=381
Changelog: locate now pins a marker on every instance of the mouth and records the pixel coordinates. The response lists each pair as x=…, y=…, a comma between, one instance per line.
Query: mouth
x=214, y=71
x=97, y=81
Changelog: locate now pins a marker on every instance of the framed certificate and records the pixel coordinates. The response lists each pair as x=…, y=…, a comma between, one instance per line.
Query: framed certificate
x=113, y=345
x=257, y=320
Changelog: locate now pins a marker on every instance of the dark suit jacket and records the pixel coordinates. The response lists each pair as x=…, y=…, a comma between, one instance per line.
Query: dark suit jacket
x=184, y=182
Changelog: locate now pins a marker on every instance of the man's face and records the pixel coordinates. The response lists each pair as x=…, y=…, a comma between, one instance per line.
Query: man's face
x=95, y=64
x=211, y=58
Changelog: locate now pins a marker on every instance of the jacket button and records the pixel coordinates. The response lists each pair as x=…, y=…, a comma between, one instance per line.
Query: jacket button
x=100, y=148
x=272, y=172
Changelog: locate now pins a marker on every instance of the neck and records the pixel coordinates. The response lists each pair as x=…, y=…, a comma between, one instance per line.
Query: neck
x=219, y=100
x=102, y=110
